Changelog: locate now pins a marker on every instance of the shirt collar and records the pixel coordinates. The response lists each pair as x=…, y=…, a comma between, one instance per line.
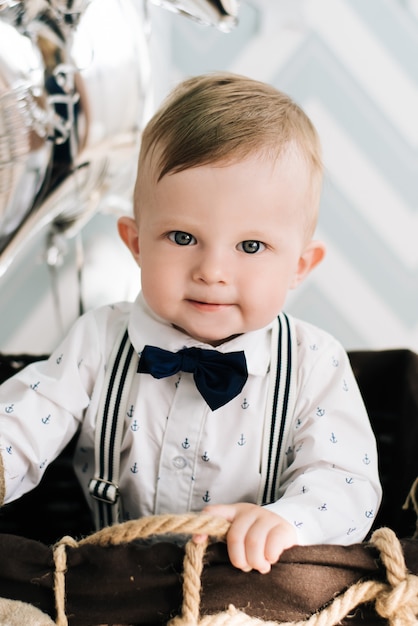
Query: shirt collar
x=145, y=327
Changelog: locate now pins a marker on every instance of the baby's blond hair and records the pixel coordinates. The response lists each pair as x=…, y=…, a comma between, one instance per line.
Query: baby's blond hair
x=223, y=117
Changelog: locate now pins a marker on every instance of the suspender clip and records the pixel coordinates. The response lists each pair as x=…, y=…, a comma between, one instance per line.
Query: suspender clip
x=104, y=491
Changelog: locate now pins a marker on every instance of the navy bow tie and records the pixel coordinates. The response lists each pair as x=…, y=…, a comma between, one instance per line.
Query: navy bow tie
x=219, y=377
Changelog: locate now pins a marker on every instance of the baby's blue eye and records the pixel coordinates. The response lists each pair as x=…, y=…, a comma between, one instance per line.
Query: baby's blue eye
x=181, y=238
x=250, y=246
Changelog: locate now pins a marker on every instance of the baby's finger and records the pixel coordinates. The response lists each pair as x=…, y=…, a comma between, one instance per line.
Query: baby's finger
x=275, y=544
x=255, y=544
x=220, y=510
x=236, y=542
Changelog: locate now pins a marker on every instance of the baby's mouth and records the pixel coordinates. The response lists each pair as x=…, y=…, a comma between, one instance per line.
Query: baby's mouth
x=208, y=306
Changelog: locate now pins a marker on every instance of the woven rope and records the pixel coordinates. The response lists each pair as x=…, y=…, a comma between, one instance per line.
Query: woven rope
x=395, y=600
x=60, y=560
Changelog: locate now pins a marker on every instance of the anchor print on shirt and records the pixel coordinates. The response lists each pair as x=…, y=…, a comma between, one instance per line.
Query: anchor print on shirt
x=205, y=457
x=131, y=411
x=185, y=444
x=134, y=468
x=206, y=498
x=245, y=404
x=242, y=440
x=10, y=408
x=46, y=420
x=320, y=412
x=59, y=359
x=333, y=438
x=134, y=426
x=35, y=386
x=335, y=362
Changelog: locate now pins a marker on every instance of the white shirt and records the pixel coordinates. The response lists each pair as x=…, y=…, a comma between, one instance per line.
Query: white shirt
x=177, y=455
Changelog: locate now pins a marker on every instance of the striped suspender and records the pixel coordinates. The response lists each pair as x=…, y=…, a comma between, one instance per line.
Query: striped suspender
x=104, y=487
x=123, y=364
x=279, y=407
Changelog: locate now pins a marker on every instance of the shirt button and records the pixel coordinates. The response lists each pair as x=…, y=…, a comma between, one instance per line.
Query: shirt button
x=179, y=462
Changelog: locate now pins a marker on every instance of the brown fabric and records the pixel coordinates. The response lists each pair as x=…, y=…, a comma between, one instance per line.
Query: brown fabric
x=141, y=584
x=388, y=381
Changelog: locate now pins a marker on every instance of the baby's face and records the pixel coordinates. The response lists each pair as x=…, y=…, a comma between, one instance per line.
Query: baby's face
x=219, y=246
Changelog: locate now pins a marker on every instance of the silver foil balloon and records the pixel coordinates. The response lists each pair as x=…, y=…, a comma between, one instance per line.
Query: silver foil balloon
x=220, y=13
x=25, y=127
x=74, y=94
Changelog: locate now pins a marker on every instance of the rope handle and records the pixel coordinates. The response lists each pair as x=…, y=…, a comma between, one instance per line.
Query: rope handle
x=395, y=600
x=188, y=524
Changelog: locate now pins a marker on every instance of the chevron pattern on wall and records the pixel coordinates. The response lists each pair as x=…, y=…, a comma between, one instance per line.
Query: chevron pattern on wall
x=352, y=65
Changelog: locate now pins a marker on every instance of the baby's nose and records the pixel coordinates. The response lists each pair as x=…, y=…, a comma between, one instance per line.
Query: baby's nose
x=212, y=267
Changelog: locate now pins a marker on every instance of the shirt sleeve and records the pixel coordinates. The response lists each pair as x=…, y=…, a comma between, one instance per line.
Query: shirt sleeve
x=330, y=489
x=42, y=406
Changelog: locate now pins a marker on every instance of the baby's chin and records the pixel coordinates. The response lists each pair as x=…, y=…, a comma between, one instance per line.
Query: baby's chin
x=210, y=341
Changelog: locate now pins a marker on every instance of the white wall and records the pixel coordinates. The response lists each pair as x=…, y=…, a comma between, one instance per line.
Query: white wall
x=352, y=65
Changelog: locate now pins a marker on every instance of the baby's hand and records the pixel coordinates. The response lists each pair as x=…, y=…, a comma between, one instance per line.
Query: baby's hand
x=256, y=537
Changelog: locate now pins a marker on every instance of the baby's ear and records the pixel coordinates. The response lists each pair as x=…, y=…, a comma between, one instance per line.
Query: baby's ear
x=310, y=258
x=128, y=232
